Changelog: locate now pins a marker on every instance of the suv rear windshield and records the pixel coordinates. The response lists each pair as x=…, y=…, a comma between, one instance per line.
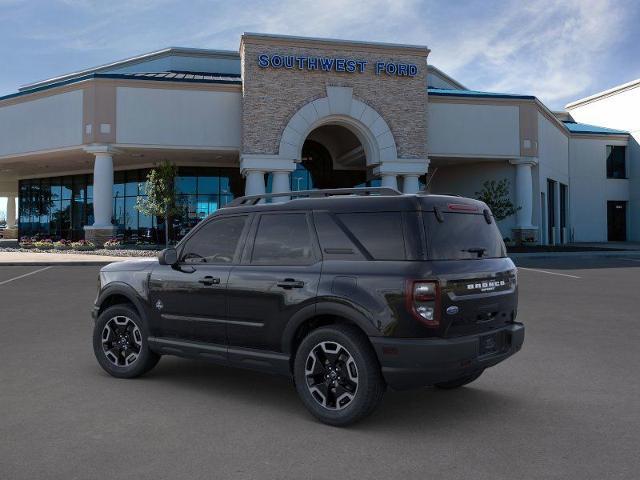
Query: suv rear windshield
x=462, y=236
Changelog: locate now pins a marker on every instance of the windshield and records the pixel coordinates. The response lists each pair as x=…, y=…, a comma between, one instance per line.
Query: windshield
x=462, y=236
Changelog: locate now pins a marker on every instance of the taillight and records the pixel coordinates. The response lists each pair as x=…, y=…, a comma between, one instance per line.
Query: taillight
x=423, y=301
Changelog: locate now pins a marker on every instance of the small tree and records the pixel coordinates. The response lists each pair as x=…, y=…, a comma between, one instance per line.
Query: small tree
x=496, y=196
x=160, y=191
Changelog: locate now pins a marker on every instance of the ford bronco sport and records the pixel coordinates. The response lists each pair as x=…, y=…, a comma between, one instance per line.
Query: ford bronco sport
x=347, y=291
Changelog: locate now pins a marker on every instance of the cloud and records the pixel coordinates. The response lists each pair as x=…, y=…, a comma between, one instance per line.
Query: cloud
x=557, y=50
x=551, y=49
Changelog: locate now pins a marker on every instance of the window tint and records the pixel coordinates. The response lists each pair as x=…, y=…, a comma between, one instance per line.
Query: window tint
x=379, y=233
x=215, y=242
x=283, y=239
x=462, y=236
x=616, y=162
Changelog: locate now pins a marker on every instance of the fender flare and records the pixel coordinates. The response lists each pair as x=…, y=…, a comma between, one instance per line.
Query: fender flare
x=326, y=307
x=127, y=291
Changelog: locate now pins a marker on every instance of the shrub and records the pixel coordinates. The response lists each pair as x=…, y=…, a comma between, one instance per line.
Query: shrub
x=46, y=244
x=26, y=242
x=62, y=245
x=113, y=244
x=83, y=245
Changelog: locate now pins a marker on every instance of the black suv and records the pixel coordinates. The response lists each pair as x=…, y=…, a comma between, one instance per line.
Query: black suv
x=346, y=291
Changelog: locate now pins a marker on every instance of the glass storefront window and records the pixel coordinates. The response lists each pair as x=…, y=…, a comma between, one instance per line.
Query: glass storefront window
x=60, y=207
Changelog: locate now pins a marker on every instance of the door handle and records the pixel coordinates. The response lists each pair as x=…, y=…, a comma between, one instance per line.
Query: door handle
x=209, y=280
x=289, y=283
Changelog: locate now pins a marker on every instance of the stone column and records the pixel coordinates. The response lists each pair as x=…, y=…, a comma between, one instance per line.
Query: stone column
x=102, y=229
x=281, y=184
x=411, y=184
x=11, y=212
x=389, y=180
x=254, y=184
x=525, y=230
x=253, y=167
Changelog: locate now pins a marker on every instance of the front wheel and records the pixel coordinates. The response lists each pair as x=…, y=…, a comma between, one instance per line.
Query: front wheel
x=337, y=375
x=459, y=382
x=120, y=343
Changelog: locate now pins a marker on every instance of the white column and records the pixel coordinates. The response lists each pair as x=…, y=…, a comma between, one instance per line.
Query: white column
x=280, y=184
x=389, y=180
x=11, y=212
x=410, y=184
x=254, y=182
x=103, y=189
x=524, y=193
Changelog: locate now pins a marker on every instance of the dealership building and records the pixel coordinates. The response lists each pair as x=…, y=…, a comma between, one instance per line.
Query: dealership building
x=290, y=113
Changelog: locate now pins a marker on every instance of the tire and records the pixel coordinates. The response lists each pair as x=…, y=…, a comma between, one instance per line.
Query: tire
x=347, y=388
x=120, y=326
x=459, y=382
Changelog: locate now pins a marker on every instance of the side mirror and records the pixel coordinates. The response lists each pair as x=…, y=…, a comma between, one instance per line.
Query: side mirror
x=168, y=256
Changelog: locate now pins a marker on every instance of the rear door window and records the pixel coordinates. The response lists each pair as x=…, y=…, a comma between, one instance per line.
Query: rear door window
x=283, y=239
x=380, y=233
x=462, y=236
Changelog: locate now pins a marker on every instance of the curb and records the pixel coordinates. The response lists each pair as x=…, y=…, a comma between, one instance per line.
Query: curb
x=55, y=264
x=617, y=253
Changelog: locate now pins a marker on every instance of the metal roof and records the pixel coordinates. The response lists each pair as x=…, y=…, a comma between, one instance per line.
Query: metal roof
x=475, y=93
x=585, y=128
x=186, y=77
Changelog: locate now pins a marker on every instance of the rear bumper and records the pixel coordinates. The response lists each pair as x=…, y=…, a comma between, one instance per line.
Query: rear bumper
x=416, y=362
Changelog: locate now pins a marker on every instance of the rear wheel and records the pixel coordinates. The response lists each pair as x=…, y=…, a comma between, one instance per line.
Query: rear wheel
x=459, y=382
x=337, y=375
x=120, y=343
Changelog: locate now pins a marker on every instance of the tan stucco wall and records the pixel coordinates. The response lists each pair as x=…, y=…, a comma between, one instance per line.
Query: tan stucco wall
x=271, y=96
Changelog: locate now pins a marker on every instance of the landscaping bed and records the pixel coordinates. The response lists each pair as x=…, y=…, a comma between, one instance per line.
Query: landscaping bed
x=126, y=252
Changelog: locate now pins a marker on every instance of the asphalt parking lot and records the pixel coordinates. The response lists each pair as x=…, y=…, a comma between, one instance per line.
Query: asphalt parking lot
x=566, y=406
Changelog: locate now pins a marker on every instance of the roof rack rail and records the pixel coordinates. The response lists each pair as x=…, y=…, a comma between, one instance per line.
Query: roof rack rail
x=254, y=199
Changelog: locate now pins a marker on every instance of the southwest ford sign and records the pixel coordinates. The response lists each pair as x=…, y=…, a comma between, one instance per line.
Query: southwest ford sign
x=333, y=64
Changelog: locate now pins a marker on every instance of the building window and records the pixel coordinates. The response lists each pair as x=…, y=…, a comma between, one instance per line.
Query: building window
x=60, y=207
x=616, y=161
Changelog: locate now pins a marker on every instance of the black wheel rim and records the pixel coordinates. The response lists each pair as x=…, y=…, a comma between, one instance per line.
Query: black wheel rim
x=121, y=341
x=331, y=374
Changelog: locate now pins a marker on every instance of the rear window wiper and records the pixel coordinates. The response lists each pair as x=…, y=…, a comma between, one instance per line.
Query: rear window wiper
x=479, y=250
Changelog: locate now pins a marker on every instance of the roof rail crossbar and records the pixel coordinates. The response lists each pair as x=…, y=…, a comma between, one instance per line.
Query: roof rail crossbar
x=254, y=199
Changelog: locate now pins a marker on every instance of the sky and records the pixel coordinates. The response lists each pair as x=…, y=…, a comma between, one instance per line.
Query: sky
x=557, y=50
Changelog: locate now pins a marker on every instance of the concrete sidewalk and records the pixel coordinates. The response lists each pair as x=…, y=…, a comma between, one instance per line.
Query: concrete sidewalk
x=33, y=258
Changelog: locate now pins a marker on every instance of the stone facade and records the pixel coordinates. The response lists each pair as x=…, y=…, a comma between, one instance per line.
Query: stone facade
x=272, y=96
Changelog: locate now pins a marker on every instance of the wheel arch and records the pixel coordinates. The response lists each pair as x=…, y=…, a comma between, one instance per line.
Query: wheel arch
x=322, y=314
x=118, y=294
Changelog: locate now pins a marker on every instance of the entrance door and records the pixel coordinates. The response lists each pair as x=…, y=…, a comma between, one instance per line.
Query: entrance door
x=551, y=211
x=617, y=221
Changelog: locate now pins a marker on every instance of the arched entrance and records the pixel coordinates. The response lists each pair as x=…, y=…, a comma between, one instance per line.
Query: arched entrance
x=332, y=157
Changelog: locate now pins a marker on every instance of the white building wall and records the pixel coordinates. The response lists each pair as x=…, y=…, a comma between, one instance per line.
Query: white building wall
x=553, y=164
x=620, y=111
x=468, y=130
x=590, y=189
x=467, y=178
x=42, y=124
x=189, y=118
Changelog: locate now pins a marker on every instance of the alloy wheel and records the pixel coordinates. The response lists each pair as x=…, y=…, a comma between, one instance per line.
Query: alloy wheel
x=331, y=375
x=121, y=341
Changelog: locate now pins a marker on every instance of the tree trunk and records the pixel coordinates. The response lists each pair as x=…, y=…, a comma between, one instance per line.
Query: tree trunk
x=166, y=230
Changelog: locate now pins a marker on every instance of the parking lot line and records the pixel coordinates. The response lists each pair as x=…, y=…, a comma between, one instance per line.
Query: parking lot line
x=25, y=275
x=550, y=273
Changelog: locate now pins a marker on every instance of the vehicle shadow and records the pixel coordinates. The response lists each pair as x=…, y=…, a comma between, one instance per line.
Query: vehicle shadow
x=579, y=263
x=400, y=410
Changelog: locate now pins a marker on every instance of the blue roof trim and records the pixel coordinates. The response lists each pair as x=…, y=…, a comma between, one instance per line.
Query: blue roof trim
x=585, y=128
x=444, y=92
x=226, y=80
